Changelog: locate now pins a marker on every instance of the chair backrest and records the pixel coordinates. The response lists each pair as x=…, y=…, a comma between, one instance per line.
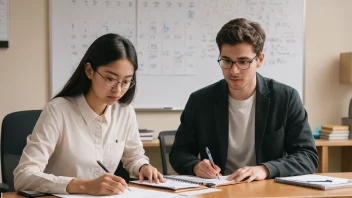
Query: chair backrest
x=166, y=139
x=14, y=131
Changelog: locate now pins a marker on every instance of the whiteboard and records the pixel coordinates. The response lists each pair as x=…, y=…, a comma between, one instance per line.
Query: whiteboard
x=4, y=24
x=175, y=41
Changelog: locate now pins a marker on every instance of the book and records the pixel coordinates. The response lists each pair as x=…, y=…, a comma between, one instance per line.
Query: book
x=145, y=131
x=335, y=135
x=145, y=135
x=335, y=127
x=333, y=138
x=180, y=183
x=315, y=181
x=333, y=131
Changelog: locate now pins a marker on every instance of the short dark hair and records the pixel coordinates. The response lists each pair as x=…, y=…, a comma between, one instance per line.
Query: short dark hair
x=241, y=30
x=104, y=50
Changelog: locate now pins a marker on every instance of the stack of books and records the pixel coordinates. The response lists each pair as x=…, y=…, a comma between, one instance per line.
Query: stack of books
x=146, y=135
x=334, y=132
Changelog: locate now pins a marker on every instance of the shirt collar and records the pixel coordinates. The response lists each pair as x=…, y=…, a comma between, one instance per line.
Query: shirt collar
x=88, y=114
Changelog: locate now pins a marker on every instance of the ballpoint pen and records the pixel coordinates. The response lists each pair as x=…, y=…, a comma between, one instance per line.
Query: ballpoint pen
x=211, y=160
x=320, y=181
x=106, y=170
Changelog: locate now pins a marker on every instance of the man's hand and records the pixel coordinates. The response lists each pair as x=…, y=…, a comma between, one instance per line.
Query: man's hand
x=250, y=173
x=204, y=169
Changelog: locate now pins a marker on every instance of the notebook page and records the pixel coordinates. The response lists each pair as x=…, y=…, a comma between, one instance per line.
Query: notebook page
x=222, y=180
x=170, y=184
x=311, y=178
x=135, y=193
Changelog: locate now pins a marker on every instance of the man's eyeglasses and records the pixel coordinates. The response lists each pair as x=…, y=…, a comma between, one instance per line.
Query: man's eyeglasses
x=241, y=64
x=111, y=82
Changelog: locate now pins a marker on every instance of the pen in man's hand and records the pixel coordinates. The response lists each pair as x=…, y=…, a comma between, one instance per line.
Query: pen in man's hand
x=211, y=160
x=320, y=181
x=106, y=170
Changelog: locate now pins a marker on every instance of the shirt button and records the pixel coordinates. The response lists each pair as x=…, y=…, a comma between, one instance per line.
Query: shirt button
x=100, y=118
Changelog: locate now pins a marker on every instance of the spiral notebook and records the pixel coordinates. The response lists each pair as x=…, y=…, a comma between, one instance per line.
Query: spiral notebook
x=180, y=183
x=222, y=181
x=174, y=185
x=316, y=181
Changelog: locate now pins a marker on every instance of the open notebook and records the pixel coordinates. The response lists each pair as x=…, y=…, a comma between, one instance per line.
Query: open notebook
x=180, y=183
x=316, y=181
x=206, y=182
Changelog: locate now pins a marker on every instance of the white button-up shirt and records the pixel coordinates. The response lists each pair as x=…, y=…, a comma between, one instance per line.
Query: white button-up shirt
x=70, y=137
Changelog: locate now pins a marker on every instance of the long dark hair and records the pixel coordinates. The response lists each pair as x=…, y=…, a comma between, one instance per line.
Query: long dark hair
x=104, y=50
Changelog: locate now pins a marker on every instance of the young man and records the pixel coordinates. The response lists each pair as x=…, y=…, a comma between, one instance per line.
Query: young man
x=254, y=127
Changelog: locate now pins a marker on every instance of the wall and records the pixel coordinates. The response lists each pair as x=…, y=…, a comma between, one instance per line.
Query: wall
x=328, y=33
x=24, y=66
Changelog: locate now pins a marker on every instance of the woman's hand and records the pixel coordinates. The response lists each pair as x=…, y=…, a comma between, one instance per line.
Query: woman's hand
x=151, y=173
x=107, y=184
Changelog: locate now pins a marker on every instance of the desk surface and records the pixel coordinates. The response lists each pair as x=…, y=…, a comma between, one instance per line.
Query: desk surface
x=148, y=144
x=155, y=143
x=267, y=188
x=333, y=142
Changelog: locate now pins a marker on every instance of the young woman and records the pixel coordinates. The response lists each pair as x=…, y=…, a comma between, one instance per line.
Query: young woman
x=90, y=120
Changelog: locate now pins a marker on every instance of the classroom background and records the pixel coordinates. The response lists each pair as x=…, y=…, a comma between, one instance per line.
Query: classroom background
x=25, y=67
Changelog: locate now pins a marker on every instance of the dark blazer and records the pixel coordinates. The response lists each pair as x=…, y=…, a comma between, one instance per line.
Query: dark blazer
x=283, y=138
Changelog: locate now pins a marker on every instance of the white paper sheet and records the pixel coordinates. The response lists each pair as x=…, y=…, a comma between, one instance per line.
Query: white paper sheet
x=135, y=193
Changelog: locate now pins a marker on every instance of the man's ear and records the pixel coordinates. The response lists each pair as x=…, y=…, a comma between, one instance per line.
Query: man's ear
x=88, y=70
x=260, y=59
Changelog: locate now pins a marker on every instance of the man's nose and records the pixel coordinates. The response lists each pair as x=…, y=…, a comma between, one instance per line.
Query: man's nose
x=234, y=69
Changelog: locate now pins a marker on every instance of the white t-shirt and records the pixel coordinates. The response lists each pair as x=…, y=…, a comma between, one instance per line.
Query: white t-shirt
x=241, y=143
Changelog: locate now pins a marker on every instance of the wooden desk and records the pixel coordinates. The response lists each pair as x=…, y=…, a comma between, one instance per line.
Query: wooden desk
x=323, y=151
x=266, y=188
x=149, y=144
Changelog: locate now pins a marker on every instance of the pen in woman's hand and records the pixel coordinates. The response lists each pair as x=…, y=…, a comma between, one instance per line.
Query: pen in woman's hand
x=106, y=170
